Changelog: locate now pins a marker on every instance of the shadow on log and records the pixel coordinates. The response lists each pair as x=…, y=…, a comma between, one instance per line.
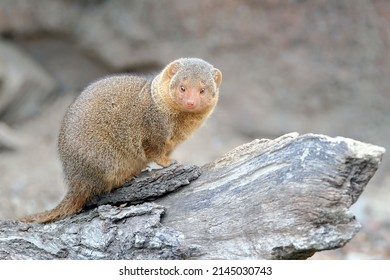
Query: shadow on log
x=269, y=199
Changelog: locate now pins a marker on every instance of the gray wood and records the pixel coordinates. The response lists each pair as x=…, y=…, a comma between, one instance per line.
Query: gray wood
x=269, y=199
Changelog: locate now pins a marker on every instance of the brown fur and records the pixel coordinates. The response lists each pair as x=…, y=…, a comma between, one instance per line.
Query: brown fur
x=121, y=123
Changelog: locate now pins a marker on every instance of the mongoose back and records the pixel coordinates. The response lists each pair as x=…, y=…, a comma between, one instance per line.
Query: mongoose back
x=119, y=124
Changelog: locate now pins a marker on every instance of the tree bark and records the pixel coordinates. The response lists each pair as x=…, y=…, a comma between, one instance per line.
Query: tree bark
x=269, y=199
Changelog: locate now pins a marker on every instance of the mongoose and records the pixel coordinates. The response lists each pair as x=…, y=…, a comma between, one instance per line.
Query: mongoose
x=119, y=124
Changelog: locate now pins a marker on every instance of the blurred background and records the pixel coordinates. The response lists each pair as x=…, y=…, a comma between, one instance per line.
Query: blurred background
x=317, y=66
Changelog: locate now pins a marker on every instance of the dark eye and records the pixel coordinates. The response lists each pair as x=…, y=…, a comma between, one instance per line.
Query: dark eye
x=202, y=91
x=182, y=88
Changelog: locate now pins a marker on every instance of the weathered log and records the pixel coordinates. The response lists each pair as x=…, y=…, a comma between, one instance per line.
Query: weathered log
x=269, y=199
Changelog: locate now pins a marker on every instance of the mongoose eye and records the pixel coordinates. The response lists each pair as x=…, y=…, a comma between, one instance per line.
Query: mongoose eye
x=202, y=91
x=182, y=88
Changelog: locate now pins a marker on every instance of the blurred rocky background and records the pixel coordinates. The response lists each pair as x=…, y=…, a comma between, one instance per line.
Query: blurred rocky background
x=318, y=66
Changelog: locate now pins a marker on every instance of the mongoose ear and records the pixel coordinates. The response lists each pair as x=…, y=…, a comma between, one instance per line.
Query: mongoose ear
x=217, y=74
x=172, y=68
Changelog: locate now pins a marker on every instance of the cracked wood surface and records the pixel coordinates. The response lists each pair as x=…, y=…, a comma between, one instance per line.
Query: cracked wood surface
x=269, y=199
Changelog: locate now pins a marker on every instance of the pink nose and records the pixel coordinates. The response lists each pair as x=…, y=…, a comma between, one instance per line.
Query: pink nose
x=190, y=103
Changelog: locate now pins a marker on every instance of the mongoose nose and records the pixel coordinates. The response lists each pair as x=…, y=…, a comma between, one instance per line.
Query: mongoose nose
x=190, y=103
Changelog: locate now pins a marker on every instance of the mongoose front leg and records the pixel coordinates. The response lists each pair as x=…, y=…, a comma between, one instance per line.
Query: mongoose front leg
x=165, y=159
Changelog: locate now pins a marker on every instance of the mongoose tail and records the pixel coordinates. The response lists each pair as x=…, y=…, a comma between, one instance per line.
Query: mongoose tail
x=70, y=204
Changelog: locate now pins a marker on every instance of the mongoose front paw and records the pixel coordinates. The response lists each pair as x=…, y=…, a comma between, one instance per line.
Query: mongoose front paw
x=163, y=161
x=166, y=161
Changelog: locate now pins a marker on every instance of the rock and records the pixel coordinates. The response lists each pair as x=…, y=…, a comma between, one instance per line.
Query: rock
x=24, y=85
x=295, y=77
x=9, y=140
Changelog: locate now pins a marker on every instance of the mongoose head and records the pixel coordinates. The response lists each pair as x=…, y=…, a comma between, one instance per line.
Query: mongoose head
x=191, y=85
